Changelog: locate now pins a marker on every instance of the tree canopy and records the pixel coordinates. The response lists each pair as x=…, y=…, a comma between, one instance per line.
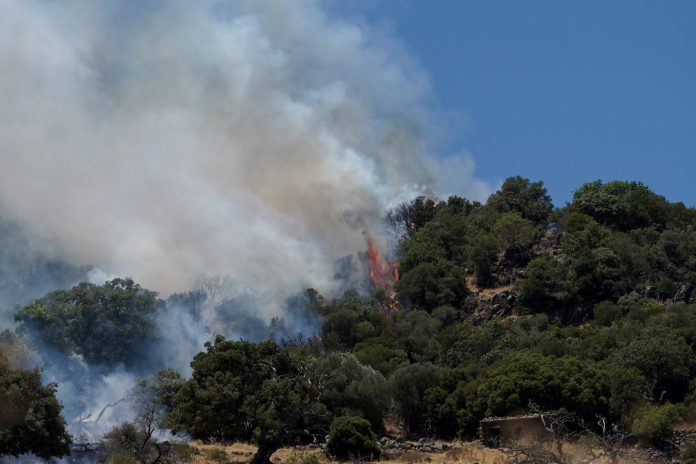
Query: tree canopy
x=241, y=390
x=106, y=324
x=30, y=420
x=584, y=310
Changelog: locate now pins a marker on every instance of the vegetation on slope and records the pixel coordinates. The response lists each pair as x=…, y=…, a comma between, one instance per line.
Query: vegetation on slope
x=592, y=314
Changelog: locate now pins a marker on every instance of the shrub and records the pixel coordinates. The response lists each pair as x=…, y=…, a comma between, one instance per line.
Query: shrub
x=122, y=439
x=606, y=313
x=655, y=424
x=352, y=436
x=689, y=454
x=30, y=419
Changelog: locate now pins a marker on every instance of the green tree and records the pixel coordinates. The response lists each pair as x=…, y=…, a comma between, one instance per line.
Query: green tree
x=663, y=358
x=484, y=256
x=30, y=420
x=430, y=285
x=350, y=388
x=108, y=324
x=545, y=287
x=416, y=332
x=339, y=328
x=407, y=218
x=607, y=312
x=383, y=357
x=409, y=384
x=627, y=388
x=624, y=205
x=258, y=392
x=568, y=385
x=515, y=234
x=529, y=199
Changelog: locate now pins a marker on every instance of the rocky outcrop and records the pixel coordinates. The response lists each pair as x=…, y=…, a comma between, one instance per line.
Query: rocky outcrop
x=481, y=307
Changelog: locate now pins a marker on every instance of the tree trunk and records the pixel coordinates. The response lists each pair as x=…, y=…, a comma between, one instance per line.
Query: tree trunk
x=263, y=455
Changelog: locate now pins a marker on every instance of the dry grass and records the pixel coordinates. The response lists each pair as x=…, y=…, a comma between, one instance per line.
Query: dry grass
x=485, y=293
x=579, y=453
x=689, y=426
x=459, y=453
x=242, y=453
x=465, y=452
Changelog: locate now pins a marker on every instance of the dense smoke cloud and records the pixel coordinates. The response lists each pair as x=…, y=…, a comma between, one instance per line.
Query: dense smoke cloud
x=171, y=139
x=28, y=271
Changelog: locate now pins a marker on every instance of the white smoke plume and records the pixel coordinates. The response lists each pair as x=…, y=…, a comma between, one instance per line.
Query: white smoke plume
x=171, y=139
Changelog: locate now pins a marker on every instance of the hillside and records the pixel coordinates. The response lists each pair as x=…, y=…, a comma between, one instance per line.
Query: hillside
x=584, y=312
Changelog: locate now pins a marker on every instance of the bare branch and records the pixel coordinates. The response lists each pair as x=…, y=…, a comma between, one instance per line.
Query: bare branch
x=110, y=405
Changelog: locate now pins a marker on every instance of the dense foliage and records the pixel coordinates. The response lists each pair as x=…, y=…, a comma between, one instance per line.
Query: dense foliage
x=242, y=390
x=597, y=315
x=106, y=324
x=586, y=311
x=352, y=437
x=30, y=420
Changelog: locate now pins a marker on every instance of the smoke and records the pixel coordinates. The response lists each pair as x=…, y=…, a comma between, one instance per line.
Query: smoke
x=28, y=271
x=168, y=140
x=171, y=139
x=103, y=404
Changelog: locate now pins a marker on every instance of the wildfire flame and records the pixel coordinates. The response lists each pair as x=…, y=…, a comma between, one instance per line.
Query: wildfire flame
x=383, y=275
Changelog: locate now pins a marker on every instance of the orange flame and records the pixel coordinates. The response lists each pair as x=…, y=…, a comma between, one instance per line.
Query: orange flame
x=383, y=275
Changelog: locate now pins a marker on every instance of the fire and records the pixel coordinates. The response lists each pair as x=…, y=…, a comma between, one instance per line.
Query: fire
x=383, y=275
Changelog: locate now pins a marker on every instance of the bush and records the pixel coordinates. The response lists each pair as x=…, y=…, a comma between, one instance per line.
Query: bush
x=122, y=439
x=654, y=425
x=351, y=437
x=129, y=443
x=689, y=454
x=123, y=444
x=607, y=312
x=30, y=419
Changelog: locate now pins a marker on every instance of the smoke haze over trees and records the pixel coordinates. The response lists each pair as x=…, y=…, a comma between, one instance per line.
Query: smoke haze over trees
x=586, y=310
x=206, y=139
x=193, y=196
x=174, y=143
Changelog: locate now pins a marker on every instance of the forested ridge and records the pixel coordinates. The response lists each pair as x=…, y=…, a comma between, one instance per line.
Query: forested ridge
x=586, y=311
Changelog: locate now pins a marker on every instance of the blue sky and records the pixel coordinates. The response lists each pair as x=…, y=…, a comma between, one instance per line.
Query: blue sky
x=561, y=91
